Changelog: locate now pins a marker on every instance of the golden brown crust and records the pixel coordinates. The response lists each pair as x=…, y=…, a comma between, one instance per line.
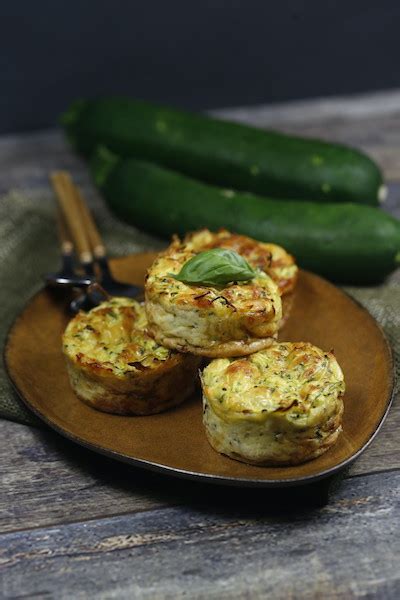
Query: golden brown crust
x=206, y=320
x=283, y=405
x=217, y=350
x=115, y=366
x=270, y=258
x=305, y=451
x=146, y=395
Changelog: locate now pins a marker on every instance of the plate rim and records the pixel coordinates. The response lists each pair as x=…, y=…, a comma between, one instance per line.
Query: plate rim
x=193, y=475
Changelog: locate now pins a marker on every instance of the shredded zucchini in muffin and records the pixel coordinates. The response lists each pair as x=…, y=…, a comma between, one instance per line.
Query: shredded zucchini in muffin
x=114, y=335
x=282, y=405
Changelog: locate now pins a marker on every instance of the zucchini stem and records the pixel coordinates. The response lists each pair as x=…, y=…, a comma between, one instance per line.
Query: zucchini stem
x=382, y=193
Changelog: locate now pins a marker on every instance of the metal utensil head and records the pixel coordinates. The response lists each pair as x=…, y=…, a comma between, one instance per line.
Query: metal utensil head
x=63, y=280
x=81, y=302
x=91, y=297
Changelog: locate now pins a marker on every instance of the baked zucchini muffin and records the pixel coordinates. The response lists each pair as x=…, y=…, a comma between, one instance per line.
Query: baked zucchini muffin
x=280, y=406
x=116, y=367
x=234, y=319
x=270, y=258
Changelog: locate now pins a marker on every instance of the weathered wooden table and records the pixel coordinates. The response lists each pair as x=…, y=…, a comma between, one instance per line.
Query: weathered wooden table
x=76, y=525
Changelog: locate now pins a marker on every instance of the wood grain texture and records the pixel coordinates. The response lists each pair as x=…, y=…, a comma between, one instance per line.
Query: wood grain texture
x=384, y=452
x=64, y=507
x=46, y=480
x=354, y=107
x=349, y=549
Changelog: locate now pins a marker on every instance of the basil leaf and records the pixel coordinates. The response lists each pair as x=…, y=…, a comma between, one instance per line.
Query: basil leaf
x=218, y=266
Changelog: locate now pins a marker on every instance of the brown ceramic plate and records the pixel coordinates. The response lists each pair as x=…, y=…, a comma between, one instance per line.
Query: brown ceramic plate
x=174, y=442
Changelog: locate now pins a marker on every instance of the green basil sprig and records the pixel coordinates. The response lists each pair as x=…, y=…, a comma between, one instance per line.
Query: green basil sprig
x=218, y=266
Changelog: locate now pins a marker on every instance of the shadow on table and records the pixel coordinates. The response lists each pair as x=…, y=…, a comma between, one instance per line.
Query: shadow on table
x=165, y=489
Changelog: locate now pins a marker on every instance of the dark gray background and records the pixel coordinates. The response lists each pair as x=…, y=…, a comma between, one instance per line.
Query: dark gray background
x=191, y=53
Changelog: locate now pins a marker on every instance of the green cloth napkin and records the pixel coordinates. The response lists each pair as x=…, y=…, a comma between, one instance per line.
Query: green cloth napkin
x=29, y=248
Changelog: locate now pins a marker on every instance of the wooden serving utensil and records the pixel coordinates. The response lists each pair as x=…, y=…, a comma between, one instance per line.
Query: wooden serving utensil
x=86, y=235
x=66, y=276
x=70, y=211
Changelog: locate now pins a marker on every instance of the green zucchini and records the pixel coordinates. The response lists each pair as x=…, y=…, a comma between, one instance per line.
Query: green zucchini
x=349, y=243
x=227, y=154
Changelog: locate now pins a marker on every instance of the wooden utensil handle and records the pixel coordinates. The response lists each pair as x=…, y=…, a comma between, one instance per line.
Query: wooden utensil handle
x=66, y=244
x=70, y=209
x=96, y=242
